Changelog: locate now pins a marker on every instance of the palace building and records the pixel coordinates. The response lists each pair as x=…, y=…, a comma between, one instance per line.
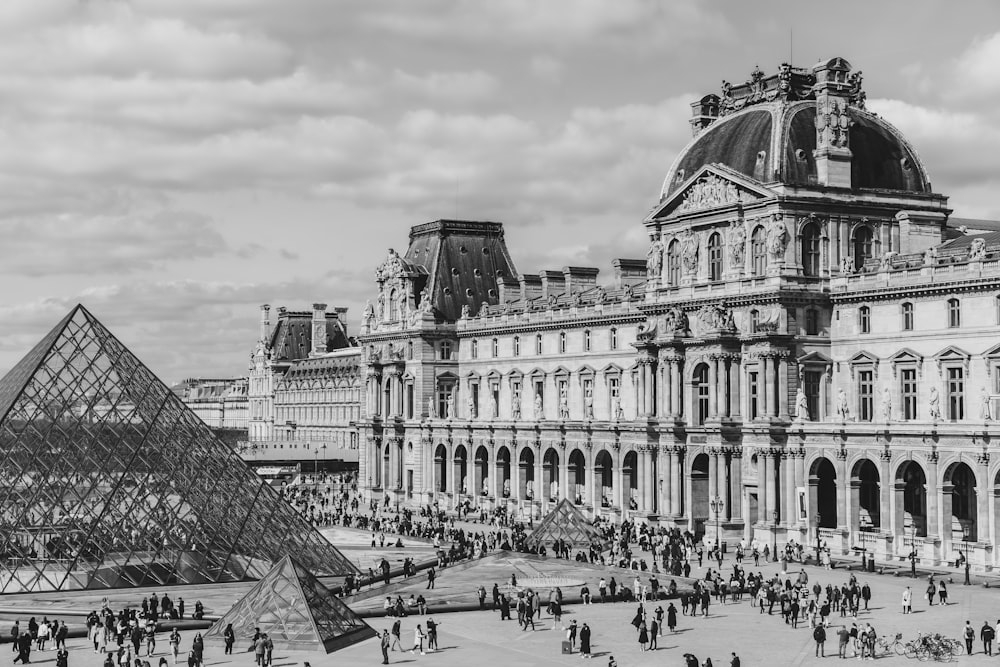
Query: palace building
x=807, y=352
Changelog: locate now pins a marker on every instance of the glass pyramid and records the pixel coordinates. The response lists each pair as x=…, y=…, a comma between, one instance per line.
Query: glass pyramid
x=568, y=523
x=108, y=480
x=295, y=610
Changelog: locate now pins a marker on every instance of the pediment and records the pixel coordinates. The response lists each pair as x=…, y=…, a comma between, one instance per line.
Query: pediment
x=951, y=352
x=863, y=358
x=906, y=355
x=713, y=186
x=814, y=358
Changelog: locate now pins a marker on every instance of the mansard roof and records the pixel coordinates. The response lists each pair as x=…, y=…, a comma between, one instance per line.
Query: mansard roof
x=291, y=338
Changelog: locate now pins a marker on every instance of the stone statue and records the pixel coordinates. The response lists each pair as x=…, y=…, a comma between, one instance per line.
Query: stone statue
x=801, y=406
x=930, y=256
x=654, y=258
x=554, y=489
x=885, y=261
x=886, y=405
x=716, y=316
x=737, y=245
x=529, y=490
x=977, y=251
x=985, y=409
x=506, y=488
x=842, y=410
x=369, y=313
x=430, y=408
x=465, y=485
x=588, y=404
x=934, y=405
x=470, y=406
x=847, y=265
x=675, y=321
x=689, y=250
x=539, y=409
x=563, y=404
x=515, y=406
x=494, y=411
x=425, y=301
x=466, y=311
x=450, y=405
x=777, y=237
x=616, y=409
x=486, y=486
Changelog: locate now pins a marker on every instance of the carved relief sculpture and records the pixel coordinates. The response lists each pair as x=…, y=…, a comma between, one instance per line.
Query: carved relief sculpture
x=801, y=406
x=710, y=191
x=985, y=409
x=737, y=245
x=934, y=405
x=842, y=410
x=539, y=412
x=425, y=301
x=675, y=321
x=769, y=320
x=716, y=316
x=930, y=256
x=777, y=237
x=689, y=250
x=654, y=258
x=847, y=265
x=886, y=405
x=977, y=251
x=563, y=404
x=832, y=123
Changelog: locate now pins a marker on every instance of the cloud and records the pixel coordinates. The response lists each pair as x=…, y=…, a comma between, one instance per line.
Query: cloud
x=453, y=87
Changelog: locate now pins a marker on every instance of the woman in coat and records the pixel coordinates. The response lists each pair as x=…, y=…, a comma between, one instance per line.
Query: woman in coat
x=230, y=638
x=643, y=636
x=671, y=617
x=585, y=641
x=637, y=619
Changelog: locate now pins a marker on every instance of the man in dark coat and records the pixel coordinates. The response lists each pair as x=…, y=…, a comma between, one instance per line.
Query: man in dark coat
x=585, y=641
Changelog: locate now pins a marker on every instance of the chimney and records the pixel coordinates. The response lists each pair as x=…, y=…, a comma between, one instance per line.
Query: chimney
x=580, y=278
x=508, y=289
x=704, y=112
x=531, y=286
x=265, y=323
x=834, y=88
x=629, y=271
x=553, y=282
x=318, y=329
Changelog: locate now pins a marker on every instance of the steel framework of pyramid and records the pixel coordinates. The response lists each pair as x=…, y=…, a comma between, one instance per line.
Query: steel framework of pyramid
x=295, y=610
x=565, y=522
x=108, y=480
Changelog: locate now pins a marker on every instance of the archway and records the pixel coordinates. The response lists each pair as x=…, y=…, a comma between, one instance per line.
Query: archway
x=503, y=472
x=911, y=499
x=577, y=477
x=441, y=468
x=604, y=471
x=526, y=474
x=699, y=493
x=959, y=496
x=461, y=467
x=482, y=472
x=630, y=469
x=823, y=492
x=550, y=475
x=866, y=496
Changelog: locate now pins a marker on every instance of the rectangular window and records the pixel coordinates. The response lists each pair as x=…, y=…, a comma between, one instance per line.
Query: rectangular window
x=614, y=339
x=517, y=346
x=907, y=317
x=908, y=392
x=475, y=349
x=445, y=350
x=474, y=390
x=812, y=322
x=753, y=389
x=956, y=394
x=996, y=378
x=444, y=391
x=866, y=396
x=811, y=382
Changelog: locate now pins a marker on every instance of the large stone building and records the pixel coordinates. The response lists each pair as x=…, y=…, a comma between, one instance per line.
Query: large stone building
x=807, y=351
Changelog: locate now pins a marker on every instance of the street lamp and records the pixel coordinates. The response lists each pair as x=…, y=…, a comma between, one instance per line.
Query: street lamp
x=774, y=533
x=913, y=550
x=717, y=504
x=819, y=519
x=965, y=541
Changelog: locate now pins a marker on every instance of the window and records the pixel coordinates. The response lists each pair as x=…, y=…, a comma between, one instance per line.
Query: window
x=810, y=249
x=907, y=311
x=758, y=252
x=538, y=344
x=495, y=348
x=586, y=341
x=562, y=342
x=864, y=319
x=715, y=257
x=753, y=387
x=812, y=322
x=810, y=387
x=908, y=393
x=996, y=308
x=866, y=395
x=517, y=346
x=754, y=320
x=701, y=393
x=614, y=338
x=954, y=313
x=674, y=263
x=445, y=350
x=862, y=245
x=956, y=393
x=409, y=400
x=475, y=349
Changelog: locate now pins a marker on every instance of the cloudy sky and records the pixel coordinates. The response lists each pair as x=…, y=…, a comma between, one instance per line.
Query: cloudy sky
x=175, y=163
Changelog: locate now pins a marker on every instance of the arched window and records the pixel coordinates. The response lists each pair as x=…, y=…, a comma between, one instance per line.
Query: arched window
x=538, y=344
x=907, y=313
x=810, y=249
x=715, y=257
x=674, y=263
x=586, y=341
x=758, y=251
x=517, y=346
x=954, y=313
x=862, y=245
x=562, y=342
x=864, y=319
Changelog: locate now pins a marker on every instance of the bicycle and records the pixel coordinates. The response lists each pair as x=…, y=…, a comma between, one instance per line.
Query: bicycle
x=893, y=645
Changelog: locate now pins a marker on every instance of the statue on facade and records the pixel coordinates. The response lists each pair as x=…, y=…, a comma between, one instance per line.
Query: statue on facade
x=616, y=409
x=885, y=261
x=369, y=312
x=466, y=311
x=847, y=265
x=842, y=410
x=675, y=321
x=539, y=408
x=425, y=301
x=515, y=406
x=654, y=258
x=554, y=490
x=494, y=411
x=985, y=408
x=465, y=485
x=801, y=406
x=506, y=488
x=486, y=487
x=689, y=250
x=777, y=237
x=737, y=244
x=977, y=251
x=430, y=408
x=886, y=405
x=470, y=406
x=450, y=405
x=930, y=256
x=529, y=490
x=563, y=404
x=588, y=403
x=934, y=405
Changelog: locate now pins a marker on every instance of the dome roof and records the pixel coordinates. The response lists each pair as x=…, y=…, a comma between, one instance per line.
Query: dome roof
x=775, y=142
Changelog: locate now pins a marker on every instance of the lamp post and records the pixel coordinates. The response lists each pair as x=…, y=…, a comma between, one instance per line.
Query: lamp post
x=717, y=504
x=819, y=519
x=913, y=550
x=965, y=541
x=774, y=534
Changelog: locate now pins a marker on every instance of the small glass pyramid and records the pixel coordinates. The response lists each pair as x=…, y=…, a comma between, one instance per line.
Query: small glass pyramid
x=108, y=480
x=567, y=523
x=295, y=610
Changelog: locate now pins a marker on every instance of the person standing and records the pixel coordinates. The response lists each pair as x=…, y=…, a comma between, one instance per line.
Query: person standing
x=385, y=647
x=987, y=633
x=585, y=641
x=430, y=578
x=432, y=635
x=819, y=634
x=671, y=616
x=843, y=639
x=970, y=636
x=654, y=631
x=602, y=588
x=907, y=595
x=931, y=590
x=643, y=636
x=396, y=630
x=418, y=640
x=866, y=594
x=942, y=593
x=735, y=662
x=230, y=636
x=571, y=633
x=198, y=647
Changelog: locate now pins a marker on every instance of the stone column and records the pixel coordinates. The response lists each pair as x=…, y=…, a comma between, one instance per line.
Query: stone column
x=783, y=388
x=618, y=480
x=676, y=390
x=515, y=472
x=722, y=381
x=983, y=495
x=884, y=492
x=667, y=367
x=713, y=474
x=564, y=490
x=591, y=474
x=767, y=480
x=713, y=388
x=769, y=407
x=736, y=484
x=842, y=489
x=450, y=469
x=666, y=474
x=641, y=407
x=789, y=513
x=735, y=380
x=541, y=493
x=933, y=501
x=642, y=461
x=800, y=482
x=677, y=460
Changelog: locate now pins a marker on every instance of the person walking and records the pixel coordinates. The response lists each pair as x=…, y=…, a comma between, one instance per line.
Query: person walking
x=671, y=616
x=396, y=630
x=942, y=594
x=843, y=640
x=418, y=640
x=819, y=634
x=585, y=641
x=643, y=636
x=654, y=631
x=907, y=596
x=987, y=633
x=385, y=647
x=970, y=636
x=175, y=643
x=430, y=578
x=230, y=637
x=931, y=590
x=481, y=594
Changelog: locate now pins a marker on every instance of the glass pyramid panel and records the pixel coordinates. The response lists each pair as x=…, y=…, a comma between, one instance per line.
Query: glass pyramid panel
x=567, y=523
x=108, y=480
x=295, y=610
